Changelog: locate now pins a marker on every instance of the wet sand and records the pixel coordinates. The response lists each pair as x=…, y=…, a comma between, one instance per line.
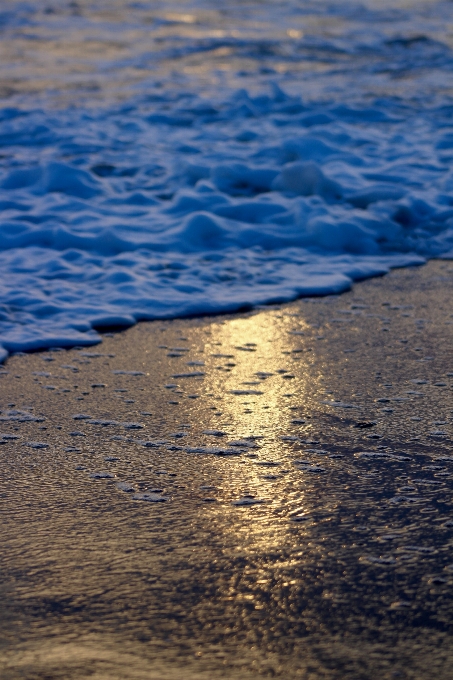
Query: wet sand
x=258, y=495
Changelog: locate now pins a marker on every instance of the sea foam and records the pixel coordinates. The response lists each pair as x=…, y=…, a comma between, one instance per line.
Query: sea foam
x=188, y=200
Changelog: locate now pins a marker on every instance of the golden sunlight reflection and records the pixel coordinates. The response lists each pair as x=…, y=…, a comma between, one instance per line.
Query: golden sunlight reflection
x=262, y=377
x=261, y=383
x=183, y=18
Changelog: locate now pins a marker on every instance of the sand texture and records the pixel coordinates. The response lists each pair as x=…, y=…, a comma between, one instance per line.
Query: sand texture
x=258, y=495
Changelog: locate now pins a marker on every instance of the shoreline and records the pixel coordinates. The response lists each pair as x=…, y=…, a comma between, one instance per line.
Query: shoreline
x=324, y=285
x=248, y=495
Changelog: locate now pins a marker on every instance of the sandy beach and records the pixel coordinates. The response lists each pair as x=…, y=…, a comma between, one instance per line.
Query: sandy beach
x=226, y=282
x=255, y=495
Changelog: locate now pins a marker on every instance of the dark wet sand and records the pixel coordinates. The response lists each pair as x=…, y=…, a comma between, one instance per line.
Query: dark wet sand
x=98, y=582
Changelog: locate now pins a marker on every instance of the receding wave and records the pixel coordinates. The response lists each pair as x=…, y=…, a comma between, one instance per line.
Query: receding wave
x=189, y=199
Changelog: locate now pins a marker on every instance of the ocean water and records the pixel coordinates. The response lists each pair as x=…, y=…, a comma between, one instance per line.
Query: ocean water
x=164, y=159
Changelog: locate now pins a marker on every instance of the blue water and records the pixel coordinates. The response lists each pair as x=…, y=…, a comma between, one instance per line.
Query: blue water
x=162, y=159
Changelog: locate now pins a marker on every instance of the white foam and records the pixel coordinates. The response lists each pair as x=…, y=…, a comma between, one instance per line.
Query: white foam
x=192, y=195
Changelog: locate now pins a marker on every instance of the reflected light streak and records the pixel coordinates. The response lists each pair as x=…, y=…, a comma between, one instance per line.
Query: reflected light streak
x=256, y=390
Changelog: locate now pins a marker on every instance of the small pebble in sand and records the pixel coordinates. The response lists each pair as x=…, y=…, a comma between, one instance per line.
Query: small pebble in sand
x=248, y=500
x=125, y=486
x=300, y=518
x=150, y=497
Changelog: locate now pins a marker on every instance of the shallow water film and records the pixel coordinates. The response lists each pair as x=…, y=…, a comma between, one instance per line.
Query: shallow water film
x=164, y=159
x=252, y=496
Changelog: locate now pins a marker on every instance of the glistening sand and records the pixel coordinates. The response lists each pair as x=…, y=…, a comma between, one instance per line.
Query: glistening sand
x=343, y=407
